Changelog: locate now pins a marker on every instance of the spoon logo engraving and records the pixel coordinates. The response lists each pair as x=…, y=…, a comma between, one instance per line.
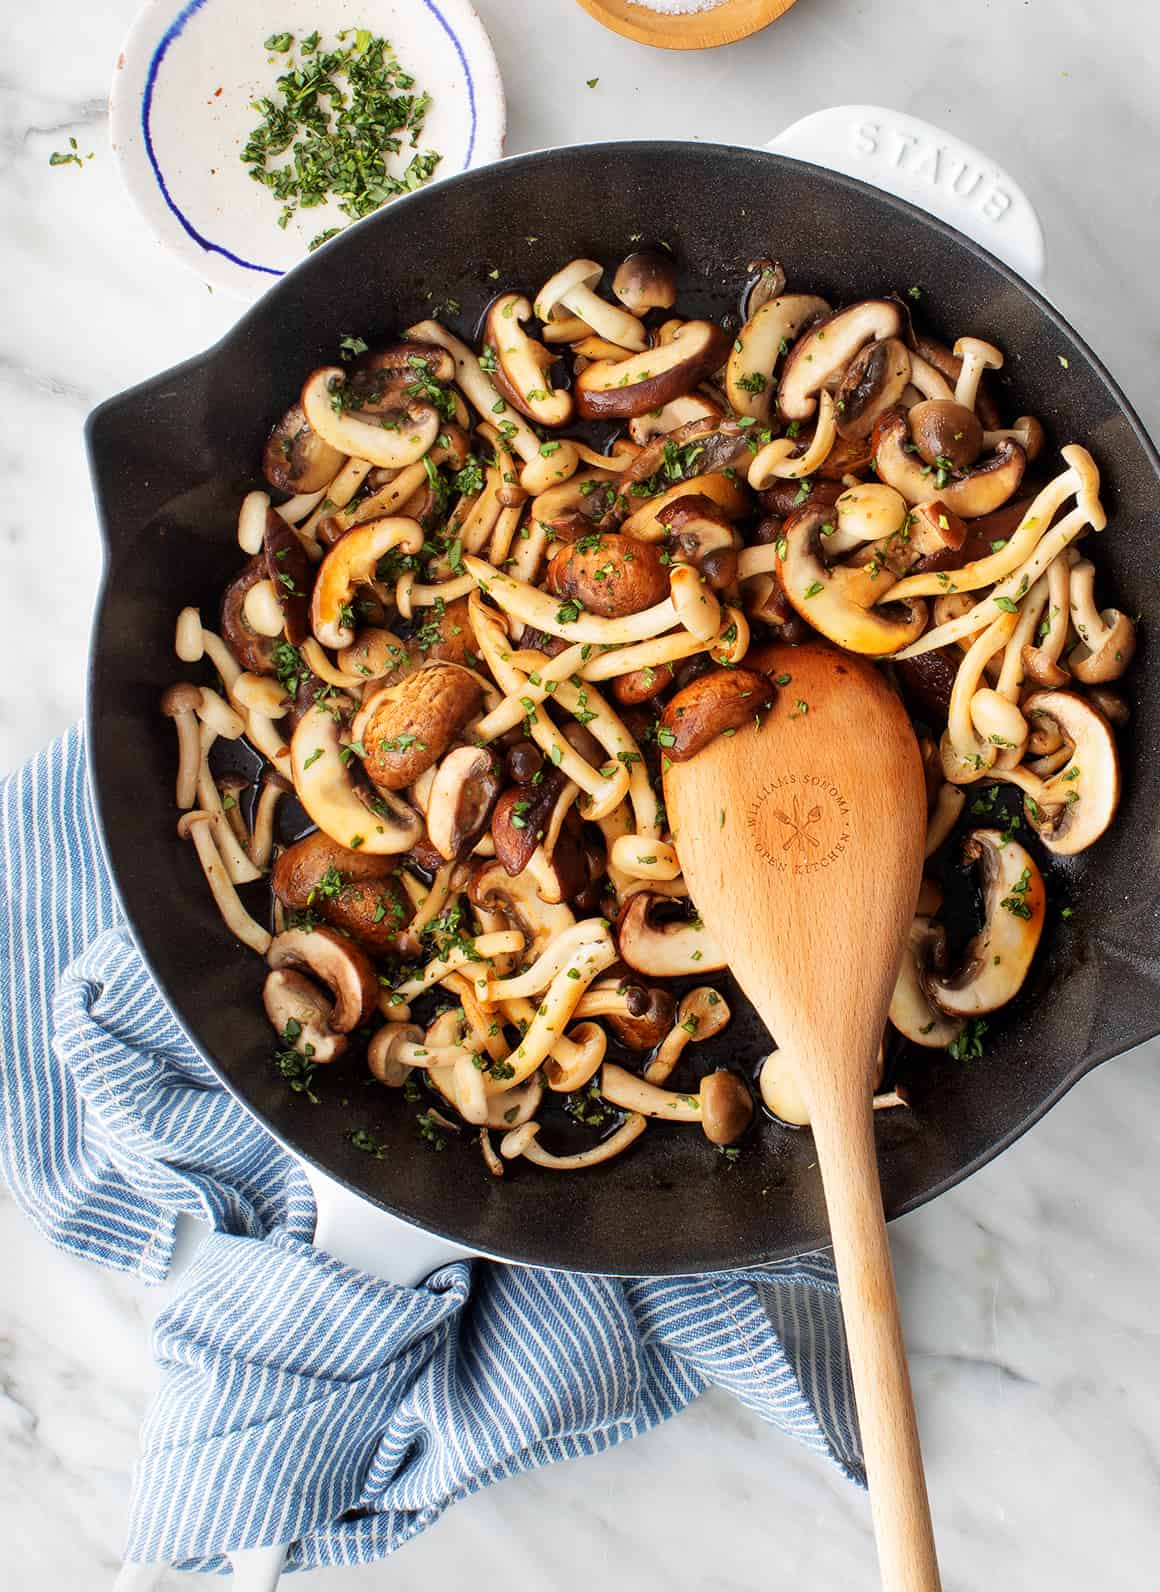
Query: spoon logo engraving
x=799, y=827
x=799, y=822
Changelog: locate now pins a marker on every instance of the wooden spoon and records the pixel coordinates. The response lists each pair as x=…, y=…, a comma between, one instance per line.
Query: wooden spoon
x=802, y=844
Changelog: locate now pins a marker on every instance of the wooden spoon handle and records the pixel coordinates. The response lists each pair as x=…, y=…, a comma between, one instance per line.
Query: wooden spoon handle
x=844, y=1135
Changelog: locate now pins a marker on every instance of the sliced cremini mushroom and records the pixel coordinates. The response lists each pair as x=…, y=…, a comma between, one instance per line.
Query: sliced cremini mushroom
x=402, y=441
x=609, y=574
x=335, y=961
x=573, y=289
x=646, y=280
x=620, y=389
x=291, y=574
x=694, y=408
x=911, y=1011
x=982, y=490
x=664, y=949
x=835, y=599
x=405, y=728
x=250, y=649
x=822, y=353
x=383, y=1052
x=702, y=1014
x=717, y=703
x=874, y=380
x=1072, y=809
x=766, y=280
x=996, y=961
x=724, y=490
x=771, y=326
x=296, y=458
x=351, y=563
x=463, y=793
x=1107, y=638
x=302, y=1016
x=356, y=892
x=520, y=365
x=944, y=815
x=520, y=818
x=381, y=824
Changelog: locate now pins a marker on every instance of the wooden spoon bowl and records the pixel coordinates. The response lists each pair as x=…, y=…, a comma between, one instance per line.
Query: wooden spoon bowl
x=724, y=23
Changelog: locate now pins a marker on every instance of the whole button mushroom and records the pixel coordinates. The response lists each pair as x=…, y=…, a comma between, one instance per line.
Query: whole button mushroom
x=942, y=429
x=356, y=892
x=407, y=727
x=609, y=574
x=296, y=458
x=726, y=1107
x=646, y=281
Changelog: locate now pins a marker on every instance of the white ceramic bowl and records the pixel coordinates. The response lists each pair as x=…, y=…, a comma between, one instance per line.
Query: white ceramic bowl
x=180, y=113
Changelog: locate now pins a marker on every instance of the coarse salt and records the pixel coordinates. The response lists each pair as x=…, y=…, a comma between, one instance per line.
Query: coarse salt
x=677, y=8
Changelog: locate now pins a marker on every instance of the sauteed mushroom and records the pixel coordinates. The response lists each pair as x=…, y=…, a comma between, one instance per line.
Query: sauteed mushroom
x=486, y=641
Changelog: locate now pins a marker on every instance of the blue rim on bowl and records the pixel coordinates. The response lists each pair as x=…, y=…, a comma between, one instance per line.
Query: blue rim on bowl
x=177, y=138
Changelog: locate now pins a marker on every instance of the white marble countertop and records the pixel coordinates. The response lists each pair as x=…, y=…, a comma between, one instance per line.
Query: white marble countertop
x=1031, y=1294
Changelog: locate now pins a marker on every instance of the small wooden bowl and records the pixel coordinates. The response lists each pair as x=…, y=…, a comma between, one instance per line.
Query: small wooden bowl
x=687, y=30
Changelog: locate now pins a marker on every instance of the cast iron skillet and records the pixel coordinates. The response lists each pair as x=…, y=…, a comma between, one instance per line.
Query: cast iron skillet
x=170, y=461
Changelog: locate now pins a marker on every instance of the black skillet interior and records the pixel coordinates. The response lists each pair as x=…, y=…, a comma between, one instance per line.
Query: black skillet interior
x=171, y=460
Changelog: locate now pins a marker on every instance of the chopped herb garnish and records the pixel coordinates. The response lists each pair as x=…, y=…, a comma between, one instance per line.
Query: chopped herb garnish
x=968, y=1046
x=337, y=116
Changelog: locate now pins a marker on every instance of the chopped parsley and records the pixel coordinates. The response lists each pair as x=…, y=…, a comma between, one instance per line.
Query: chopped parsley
x=1016, y=903
x=968, y=1046
x=68, y=157
x=337, y=116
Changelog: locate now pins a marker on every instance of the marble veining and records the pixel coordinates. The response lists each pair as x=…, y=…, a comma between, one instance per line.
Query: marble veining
x=1032, y=1293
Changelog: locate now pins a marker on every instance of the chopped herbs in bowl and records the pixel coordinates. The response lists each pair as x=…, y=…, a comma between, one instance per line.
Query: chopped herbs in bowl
x=341, y=123
x=248, y=136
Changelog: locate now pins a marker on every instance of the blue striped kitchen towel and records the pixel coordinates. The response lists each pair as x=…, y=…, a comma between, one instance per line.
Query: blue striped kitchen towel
x=302, y=1400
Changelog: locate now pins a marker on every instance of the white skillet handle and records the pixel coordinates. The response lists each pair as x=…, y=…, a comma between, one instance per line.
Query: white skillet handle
x=360, y=1234
x=916, y=161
